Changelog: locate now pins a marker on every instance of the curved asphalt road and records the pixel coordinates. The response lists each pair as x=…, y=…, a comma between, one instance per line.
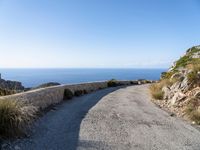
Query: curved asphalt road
x=125, y=119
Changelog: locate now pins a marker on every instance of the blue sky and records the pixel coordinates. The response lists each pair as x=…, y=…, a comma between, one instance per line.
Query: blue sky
x=96, y=33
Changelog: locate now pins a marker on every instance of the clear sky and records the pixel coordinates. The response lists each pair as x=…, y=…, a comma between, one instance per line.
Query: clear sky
x=96, y=33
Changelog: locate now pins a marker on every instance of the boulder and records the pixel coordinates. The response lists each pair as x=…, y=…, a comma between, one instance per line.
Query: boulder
x=168, y=94
x=178, y=97
x=175, y=87
x=185, y=85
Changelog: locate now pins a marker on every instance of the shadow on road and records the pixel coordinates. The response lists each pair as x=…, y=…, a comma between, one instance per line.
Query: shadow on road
x=88, y=102
x=59, y=128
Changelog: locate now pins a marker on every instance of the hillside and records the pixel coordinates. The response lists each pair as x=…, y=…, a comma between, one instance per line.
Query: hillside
x=179, y=88
x=8, y=87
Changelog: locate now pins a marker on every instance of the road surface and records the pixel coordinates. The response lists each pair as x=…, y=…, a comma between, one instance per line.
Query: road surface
x=111, y=119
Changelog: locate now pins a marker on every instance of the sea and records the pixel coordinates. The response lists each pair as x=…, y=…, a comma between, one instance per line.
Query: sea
x=35, y=77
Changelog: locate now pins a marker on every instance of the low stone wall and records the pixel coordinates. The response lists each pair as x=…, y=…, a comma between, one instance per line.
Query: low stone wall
x=44, y=97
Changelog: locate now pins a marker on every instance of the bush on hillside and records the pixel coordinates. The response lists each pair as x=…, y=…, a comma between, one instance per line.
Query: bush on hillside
x=192, y=111
x=15, y=118
x=79, y=93
x=4, y=92
x=112, y=83
x=133, y=82
x=68, y=94
x=183, y=61
x=167, y=75
x=156, y=91
x=144, y=81
x=193, y=50
x=49, y=84
x=156, y=88
x=85, y=92
x=194, y=76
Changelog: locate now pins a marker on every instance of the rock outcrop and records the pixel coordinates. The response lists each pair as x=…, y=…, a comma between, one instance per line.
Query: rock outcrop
x=8, y=87
x=181, y=85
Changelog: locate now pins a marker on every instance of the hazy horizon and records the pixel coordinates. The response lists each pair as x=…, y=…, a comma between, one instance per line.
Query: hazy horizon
x=96, y=34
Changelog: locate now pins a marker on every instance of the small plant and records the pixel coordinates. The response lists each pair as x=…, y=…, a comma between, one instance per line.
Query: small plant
x=4, y=92
x=156, y=91
x=183, y=61
x=133, y=82
x=144, y=81
x=194, y=76
x=192, y=111
x=78, y=92
x=85, y=92
x=15, y=118
x=167, y=75
x=195, y=116
x=112, y=83
x=68, y=94
x=156, y=88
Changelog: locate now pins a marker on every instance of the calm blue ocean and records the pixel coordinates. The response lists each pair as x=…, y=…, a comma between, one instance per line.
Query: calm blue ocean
x=35, y=77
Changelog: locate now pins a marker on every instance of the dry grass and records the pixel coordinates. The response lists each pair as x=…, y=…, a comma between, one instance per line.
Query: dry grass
x=15, y=118
x=192, y=111
x=193, y=76
x=156, y=88
x=4, y=92
x=156, y=91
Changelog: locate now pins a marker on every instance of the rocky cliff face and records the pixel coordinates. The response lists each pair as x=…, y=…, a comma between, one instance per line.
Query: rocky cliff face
x=179, y=87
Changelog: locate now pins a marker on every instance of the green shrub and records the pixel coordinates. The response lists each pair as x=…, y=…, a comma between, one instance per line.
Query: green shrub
x=68, y=94
x=167, y=75
x=192, y=50
x=194, y=77
x=15, y=118
x=85, y=92
x=112, y=83
x=187, y=59
x=49, y=84
x=183, y=61
x=144, y=81
x=78, y=92
x=133, y=82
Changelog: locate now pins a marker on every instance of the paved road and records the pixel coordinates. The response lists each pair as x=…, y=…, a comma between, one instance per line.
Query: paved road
x=111, y=119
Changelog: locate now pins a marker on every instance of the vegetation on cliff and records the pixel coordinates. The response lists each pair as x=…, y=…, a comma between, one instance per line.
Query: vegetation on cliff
x=179, y=87
x=4, y=92
x=49, y=84
x=8, y=87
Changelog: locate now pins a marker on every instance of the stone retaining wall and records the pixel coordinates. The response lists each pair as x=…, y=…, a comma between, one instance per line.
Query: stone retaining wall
x=44, y=97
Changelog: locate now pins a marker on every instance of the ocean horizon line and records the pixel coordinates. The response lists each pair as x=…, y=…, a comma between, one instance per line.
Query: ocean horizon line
x=84, y=68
